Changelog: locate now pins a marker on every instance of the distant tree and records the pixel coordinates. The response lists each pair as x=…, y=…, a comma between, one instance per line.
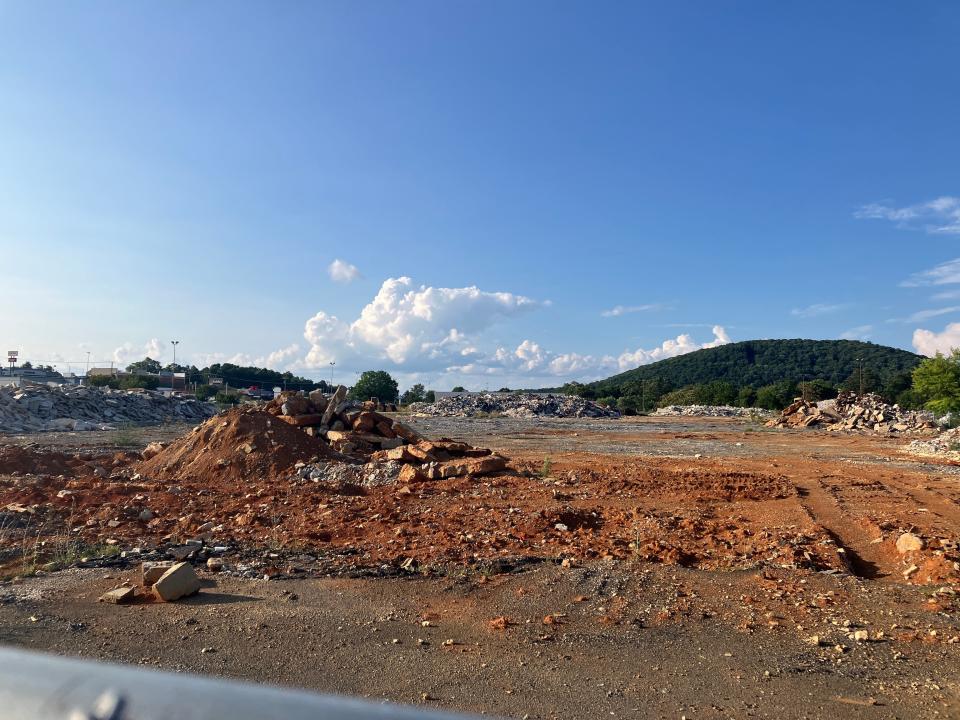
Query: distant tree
x=573, y=388
x=871, y=381
x=27, y=365
x=609, y=401
x=937, y=382
x=147, y=365
x=504, y=390
x=414, y=394
x=746, y=397
x=103, y=381
x=226, y=398
x=430, y=397
x=776, y=396
x=375, y=384
x=459, y=388
x=131, y=382
x=816, y=390
x=205, y=392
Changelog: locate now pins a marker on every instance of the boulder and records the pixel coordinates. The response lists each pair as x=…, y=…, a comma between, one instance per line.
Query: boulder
x=908, y=542
x=119, y=596
x=177, y=582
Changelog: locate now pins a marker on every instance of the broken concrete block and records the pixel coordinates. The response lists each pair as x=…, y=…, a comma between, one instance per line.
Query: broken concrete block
x=152, y=571
x=177, y=582
x=119, y=596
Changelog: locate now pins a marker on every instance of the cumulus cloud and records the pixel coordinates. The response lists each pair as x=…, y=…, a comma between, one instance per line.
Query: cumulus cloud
x=128, y=352
x=816, y=310
x=421, y=329
x=861, y=332
x=343, y=272
x=947, y=273
x=529, y=358
x=940, y=216
x=927, y=342
x=408, y=325
x=619, y=310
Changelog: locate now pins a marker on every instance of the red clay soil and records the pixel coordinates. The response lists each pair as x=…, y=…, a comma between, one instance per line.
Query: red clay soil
x=237, y=446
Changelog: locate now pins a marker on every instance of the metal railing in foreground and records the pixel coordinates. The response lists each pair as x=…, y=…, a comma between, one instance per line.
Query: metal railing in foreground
x=34, y=686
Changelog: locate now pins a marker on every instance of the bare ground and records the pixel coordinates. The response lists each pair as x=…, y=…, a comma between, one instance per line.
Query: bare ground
x=702, y=557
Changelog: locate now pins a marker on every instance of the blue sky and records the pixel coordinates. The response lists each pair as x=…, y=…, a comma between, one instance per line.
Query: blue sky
x=516, y=193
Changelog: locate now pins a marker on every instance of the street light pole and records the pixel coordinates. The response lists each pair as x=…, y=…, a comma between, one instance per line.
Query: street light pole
x=332, y=363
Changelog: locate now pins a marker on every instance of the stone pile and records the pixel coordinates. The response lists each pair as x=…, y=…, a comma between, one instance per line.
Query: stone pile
x=517, y=405
x=709, y=411
x=855, y=412
x=41, y=408
x=350, y=427
x=418, y=462
x=946, y=445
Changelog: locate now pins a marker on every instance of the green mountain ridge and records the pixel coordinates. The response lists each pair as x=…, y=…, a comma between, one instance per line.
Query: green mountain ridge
x=756, y=364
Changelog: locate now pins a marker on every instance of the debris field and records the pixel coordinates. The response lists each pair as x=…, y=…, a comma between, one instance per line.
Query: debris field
x=517, y=405
x=850, y=411
x=39, y=408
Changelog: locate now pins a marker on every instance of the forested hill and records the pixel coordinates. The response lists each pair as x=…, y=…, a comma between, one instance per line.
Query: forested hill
x=757, y=363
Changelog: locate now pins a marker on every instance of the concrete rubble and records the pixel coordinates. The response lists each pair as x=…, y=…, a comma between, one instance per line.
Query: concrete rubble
x=854, y=412
x=946, y=445
x=517, y=405
x=709, y=411
x=43, y=408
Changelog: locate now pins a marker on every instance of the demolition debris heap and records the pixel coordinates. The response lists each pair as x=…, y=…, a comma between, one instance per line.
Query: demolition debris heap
x=854, y=412
x=517, y=405
x=332, y=440
x=708, y=411
x=41, y=408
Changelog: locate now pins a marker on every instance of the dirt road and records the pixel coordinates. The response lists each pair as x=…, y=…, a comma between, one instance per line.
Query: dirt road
x=659, y=567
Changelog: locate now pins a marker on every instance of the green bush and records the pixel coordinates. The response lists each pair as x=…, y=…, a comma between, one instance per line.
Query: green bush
x=132, y=382
x=103, y=381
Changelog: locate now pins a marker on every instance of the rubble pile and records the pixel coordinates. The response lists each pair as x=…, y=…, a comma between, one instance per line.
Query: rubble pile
x=946, y=445
x=709, y=411
x=517, y=405
x=44, y=408
x=850, y=411
x=348, y=426
x=339, y=441
x=417, y=462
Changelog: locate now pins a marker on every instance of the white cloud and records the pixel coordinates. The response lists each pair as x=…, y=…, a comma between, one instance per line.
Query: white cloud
x=861, y=332
x=343, y=272
x=426, y=330
x=940, y=216
x=128, y=352
x=922, y=315
x=407, y=326
x=619, y=310
x=947, y=273
x=816, y=310
x=946, y=295
x=927, y=342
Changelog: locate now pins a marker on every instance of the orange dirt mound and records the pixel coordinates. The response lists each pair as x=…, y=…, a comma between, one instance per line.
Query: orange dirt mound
x=238, y=445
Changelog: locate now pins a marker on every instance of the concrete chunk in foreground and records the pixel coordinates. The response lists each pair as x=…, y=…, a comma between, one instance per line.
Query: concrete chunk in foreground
x=177, y=582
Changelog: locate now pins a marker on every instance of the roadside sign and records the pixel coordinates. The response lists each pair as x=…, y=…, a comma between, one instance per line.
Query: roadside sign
x=216, y=381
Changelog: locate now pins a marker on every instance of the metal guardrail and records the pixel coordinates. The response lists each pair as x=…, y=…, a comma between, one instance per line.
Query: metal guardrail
x=34, y=686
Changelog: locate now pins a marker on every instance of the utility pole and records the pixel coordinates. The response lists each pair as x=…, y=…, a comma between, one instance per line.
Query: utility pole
x=332, y=363
x=88, y=362
x=174, y=343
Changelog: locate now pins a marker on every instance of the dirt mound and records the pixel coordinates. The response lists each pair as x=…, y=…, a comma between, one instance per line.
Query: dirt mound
x=239, y=445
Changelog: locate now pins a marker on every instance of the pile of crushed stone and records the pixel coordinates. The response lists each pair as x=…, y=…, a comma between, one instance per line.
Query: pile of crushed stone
x=710, y=411
x=517, y=405
x=946, y=445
